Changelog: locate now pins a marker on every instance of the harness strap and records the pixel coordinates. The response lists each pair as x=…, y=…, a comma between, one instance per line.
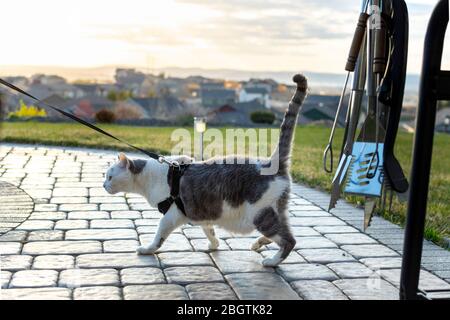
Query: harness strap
x=173, y=178
x=83, y=122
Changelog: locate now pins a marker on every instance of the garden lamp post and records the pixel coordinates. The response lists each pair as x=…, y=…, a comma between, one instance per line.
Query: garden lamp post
x=447, y=123
x=200, y=127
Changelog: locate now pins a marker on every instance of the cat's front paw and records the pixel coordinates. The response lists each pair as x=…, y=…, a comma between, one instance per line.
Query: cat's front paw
x=143, y=250
x=271, y=262
x=213, y=245
x=256, y=246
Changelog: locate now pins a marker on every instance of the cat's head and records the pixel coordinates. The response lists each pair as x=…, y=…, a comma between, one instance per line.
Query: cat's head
x=120, y=176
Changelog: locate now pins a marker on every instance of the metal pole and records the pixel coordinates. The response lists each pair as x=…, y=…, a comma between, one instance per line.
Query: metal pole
x=423, y=148
x=201, y=146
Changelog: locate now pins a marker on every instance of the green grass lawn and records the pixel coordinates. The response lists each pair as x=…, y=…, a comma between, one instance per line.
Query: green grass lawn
x=306, y=162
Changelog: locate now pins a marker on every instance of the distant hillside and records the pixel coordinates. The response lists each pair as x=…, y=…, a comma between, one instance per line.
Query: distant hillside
x=318, y=81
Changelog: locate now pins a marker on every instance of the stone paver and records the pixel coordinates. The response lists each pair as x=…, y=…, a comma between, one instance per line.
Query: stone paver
x=293, y=257
x=239, y=261
x=15, y=262
x=34, y=278
x=367, y=289
x=42, y=215
x=78, y=207
x=10, y=248
x=13, y=236
x=46, y=235
x=114, y=223
x=382, y=263
x=54, y=262
x=210, y=291
x=193, y=274
x=61, y=247
x=366, y=251
x=306, y=271
x=175, y=242
x=5, y=276
x=146, y=275
x=101, y=234
x=88, y=215
x=155, y=292
x=126, y=215
x=78, y=242
x=97, y=293
x=427, y=281
x=261, y=286
x=325, y=255
x=73, y=278
x=202, y=245
x=36, y=294
x=71, y=224
x=120, y=246
x=350, y=238
x=347, y=270
x=318, y=290
x=115, y=260
x=177, y=259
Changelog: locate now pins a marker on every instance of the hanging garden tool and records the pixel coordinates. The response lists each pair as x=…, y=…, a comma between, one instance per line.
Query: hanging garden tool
x=355, y=49
x=356, y=57
x=366, y=170
x=364, y=163
x=391, y=93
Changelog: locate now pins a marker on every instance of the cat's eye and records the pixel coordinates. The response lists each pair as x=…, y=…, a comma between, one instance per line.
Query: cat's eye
x=109, y=178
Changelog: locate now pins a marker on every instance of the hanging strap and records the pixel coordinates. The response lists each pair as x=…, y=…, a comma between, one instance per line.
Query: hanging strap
x=173, y=178
x=83, y=122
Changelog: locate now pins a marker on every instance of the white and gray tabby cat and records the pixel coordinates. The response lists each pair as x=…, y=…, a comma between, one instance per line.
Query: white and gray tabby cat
x=236, y=197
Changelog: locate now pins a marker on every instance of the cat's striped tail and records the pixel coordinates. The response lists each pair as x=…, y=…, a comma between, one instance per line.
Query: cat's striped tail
x=283, y=152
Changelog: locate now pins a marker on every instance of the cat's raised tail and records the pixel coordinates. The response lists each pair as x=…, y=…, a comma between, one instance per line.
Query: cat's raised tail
x=283, y=152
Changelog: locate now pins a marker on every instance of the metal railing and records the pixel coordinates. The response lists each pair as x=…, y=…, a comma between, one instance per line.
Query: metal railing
x=434, y=86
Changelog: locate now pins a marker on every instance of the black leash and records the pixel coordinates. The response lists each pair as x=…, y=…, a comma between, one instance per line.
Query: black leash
x=83, y=122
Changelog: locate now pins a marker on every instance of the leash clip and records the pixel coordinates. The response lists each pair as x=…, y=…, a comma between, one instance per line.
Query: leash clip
x=170, y=163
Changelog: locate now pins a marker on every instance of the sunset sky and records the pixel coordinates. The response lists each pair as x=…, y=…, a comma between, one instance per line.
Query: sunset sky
x=270, y=35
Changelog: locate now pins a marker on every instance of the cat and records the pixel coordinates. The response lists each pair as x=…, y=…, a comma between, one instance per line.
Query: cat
x=236, y=197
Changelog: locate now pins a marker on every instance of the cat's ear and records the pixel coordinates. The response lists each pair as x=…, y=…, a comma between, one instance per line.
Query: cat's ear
x=123, y=160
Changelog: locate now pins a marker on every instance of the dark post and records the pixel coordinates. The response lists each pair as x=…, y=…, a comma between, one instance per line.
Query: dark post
x=434, y=86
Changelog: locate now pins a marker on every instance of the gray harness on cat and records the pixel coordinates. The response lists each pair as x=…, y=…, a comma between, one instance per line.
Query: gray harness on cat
x=174, y=175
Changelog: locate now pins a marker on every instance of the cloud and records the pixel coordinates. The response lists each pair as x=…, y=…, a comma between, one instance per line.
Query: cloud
x=241, y=34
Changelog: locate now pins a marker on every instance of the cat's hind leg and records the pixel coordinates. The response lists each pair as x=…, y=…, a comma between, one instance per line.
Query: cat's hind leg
x=274, y=225
x=168, y=223
x=262, y=241
x=211, y=235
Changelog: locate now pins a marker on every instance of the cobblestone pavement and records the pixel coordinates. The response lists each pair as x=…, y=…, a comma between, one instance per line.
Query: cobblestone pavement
x=78, y=242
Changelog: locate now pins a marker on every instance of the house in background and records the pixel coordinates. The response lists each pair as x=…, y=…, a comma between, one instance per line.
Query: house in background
x=161, y=108
x=56, y=101
x=214, y=94
x=130, y=80
x=322, y=109
x=43, y=86
x=96, y=89
x=228, y=115
x=87, y=107
x=148, y=105
x=269, y=85
x=237, y=114
x=247, y=94
x=18, y=81
x=443, y=120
